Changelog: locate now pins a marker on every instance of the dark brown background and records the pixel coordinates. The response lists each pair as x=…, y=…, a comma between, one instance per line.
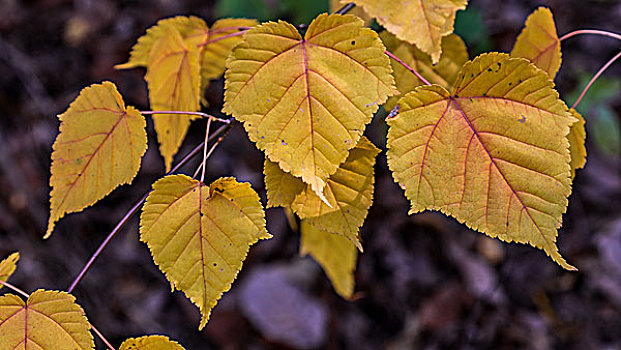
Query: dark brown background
x=424, y=281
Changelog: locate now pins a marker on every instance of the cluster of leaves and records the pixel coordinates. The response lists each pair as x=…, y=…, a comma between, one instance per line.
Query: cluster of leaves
x=487, y=141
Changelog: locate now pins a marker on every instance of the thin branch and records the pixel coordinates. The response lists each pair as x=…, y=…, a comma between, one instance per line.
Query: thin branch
x=201, y=114
x=103, y=339
x=205, y=150
x=346, y=8
x=135, y=208
x=599, y=72
x=17, y=290
x=591, y=31
x=391, y=55
x=213, y=147
x=210, y=41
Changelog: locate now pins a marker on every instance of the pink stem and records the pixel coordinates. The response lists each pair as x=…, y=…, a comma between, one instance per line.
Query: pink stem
x=591, y=31
x=390, y=54
x=205, y=150
x=103, y=339
x=15, y=289
x=201, y=114
x=599, y=72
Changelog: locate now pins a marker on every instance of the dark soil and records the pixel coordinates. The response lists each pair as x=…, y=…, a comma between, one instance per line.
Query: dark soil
x=423, y=282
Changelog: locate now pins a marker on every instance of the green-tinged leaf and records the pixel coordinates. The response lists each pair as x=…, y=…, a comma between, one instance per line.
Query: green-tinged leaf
x=494, y=153
x=49, y=320
x=192, y=29
x=349, y=193
x=336, y=254
x=577, y=138
x=150, y=342
x=444, y=73
x=223, y=36
x=306, y=101
x=99, y=147
x=422, y=23
x=539, y=42
x=199, y=235
x=174, y=81
x=8, y=266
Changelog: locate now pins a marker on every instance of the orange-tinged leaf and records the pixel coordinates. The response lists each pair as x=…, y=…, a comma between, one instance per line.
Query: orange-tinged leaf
x=222, y=38
x=336, y=254
x=8, y=266
x=493, y=154
x=306, y=101
x=174, y=81
x=539, y=42
x=99, y=147
x=199, y=235
x=349, y=193
x=150, y=342
x=49, y=320
x=577, y=149
x=444, y=73
x=422, y=23
x=193, y=30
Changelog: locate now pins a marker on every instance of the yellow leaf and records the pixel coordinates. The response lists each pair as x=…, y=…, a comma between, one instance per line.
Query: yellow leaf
x=150, y=342
x=193, y=30
x=349, y=193
x=49, y=320
x=539, y=42
x=7, y=267
x=99, y=147
x=493, y=154
x=335, y=5
x=577, y=149
x=336, y=254
x=422, y=23
x=281, y=187
x=305, y=102
x=222, y=39
x=174, y=81
x=444, y=73
x=199, y=235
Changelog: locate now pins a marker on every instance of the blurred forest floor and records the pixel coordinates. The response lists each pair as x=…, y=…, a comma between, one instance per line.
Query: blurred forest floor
x=423, y=282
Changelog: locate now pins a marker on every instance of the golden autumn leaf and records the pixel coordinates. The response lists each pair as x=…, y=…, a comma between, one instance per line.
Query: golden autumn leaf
x=577, y=149
x=306, y=101
x=336, y=254
x=99, y=147
x=222, y=38
x=539, y=42
x=150, y=342
x=174, y=82
x=422, y=23
x=49, y=320
x=493, y=153
x=192, y=29
x=8, y=266
x=349, y=193
x=444, y=73
x=199, y=235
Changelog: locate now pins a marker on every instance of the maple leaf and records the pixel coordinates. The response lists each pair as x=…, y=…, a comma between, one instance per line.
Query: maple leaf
x=192, y=29
x=7, y=267
x=150, y=342
x=422, y=23
x=539, y=43
x=348, y=192
x=493, y=154
x=305, y=101
x=49, y=320
x=336, y=254
x=199, y=235
x=444, y=73
x=174, y=81
x=99, y=147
